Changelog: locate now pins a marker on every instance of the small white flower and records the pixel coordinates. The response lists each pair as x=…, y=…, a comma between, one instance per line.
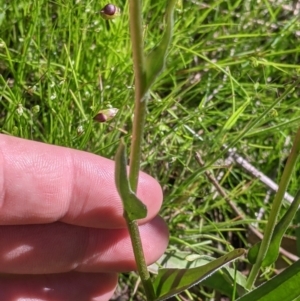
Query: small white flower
x=20, y=109
x=80, y=130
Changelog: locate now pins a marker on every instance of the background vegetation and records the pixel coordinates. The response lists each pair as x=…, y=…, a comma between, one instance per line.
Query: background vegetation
x=229, y=63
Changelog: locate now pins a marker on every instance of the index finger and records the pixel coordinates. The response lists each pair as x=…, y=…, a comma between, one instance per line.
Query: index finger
x=41, y=183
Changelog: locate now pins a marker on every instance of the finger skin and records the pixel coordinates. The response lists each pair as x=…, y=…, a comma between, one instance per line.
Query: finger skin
x=58, y=287
x=60, y=248
x=41, y=183
x=62, y=226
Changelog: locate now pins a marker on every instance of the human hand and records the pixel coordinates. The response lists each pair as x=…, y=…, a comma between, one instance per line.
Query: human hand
x=63, y=236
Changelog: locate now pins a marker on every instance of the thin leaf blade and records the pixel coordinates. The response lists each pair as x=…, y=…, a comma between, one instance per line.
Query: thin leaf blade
x=226, y=280
x=155, y=60
x=170, y=282
x=283, y=287
x=235, y=116
x=280, y=229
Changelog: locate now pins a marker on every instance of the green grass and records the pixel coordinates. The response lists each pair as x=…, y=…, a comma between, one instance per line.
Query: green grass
x=229, y=64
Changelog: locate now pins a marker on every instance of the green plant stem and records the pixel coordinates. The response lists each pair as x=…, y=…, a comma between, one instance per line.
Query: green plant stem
x=140, y=259
x=285, y=179
x=136, y=33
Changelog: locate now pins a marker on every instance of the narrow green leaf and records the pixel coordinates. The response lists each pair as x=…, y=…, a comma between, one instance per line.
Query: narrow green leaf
x=280, y=229
x=235, y=116
x=155, y=61
x=283, y=287
x=170, y=282
x=224, y=280
x=133, y=208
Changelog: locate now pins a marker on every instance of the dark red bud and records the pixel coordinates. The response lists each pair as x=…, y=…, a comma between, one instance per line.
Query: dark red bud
x=100, y=117
x=109, y=9
x=106, y=115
